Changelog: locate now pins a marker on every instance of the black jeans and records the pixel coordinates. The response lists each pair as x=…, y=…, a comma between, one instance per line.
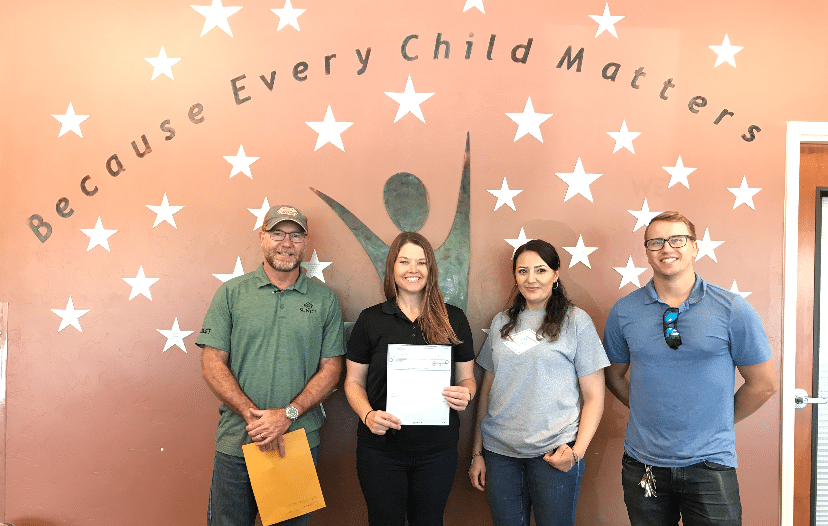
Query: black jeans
x=704, y=494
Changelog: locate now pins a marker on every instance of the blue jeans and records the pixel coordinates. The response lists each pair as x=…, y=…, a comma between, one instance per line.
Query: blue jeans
x=704, y=494
x=231, y=498
x=396, y=484
x=514, y=486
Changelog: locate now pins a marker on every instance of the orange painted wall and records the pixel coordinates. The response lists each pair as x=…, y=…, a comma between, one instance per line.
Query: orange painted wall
x=104, y=427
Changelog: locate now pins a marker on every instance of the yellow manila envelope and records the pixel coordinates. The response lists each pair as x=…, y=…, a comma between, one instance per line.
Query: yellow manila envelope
x=284, y=487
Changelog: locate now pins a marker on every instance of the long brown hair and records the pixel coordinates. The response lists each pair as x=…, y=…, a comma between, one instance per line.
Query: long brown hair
x=433, y=320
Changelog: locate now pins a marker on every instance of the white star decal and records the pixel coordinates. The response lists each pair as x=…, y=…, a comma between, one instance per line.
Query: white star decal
x=521, y=240
x=288, y=15
x=260, y=214
x=329, y=130
x=643, y=216
x=744, y=194
x=726, y=52
x=606, y=22
x=70, y=316
x=216, y=15
x=474, y=3
x=623, y=138
x=678, y=173
x=735, y=290
x=580, y=253
x=140, y=284
x=707, y=247
x=314, y=267
x=162, y=64
x=529, y=121
x=241, y=162
x=69, y=122
x=164, y=212
x=409, y=101
x=578, y=181
x=505, y=196
x=237, y=271
x=98, y=236
x=630, y=273
x=175, y=336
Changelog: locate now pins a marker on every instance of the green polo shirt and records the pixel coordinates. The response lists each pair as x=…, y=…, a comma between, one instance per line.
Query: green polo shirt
x=275, y=339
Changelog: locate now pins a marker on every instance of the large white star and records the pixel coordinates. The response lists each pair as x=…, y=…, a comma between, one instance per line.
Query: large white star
x=744, y=194
x=474, y=3
x=260, y=214
x=216, y=15
x=578, y=181
x=606, y=22
x=98, y=236
x=630, y=273
x=707, y=247
x=505, y=196
x=329, y=130
x=735, y=290
x=678, y=173
x=175, y=336
x=70, y=316
x=580, y=253
x=623, y=138
x=241, y=162
x=140, y=284
x=164, y=212
x=237, y=271
x=70, y=122
x=643, y=216
x=288, y=15
x=314, y=267
x=521, y=240
x=409, y=101
x=529, y=121
x=162, y=64
x=726, y=52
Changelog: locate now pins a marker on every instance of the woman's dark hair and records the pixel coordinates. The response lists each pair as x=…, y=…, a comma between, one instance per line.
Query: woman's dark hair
x=558, y=304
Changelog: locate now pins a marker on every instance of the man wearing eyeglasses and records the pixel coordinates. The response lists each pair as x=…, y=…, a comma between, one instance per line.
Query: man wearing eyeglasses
x=272, y=343
x=681, y=338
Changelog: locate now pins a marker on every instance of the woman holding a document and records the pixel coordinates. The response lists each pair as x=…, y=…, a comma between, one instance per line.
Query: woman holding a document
x=542, y=359
x=410, y=370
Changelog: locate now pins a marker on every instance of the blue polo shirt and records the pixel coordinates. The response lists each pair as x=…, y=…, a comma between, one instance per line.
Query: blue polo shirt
x=681, y=401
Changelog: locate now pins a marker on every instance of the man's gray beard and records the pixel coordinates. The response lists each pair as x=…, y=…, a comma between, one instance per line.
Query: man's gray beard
x=283, y=266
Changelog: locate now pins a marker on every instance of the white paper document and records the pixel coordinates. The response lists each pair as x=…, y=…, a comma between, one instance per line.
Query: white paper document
x=417, y=375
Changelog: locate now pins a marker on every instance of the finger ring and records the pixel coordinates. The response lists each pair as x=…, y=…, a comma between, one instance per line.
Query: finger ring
x=262, y=436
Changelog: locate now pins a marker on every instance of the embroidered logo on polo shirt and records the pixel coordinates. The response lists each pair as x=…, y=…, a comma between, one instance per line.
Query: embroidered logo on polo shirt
x=307, y=307
x=205, y=331
x=522, y=341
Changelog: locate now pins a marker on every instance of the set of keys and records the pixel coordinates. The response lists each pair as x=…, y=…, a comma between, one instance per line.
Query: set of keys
x=648, y=482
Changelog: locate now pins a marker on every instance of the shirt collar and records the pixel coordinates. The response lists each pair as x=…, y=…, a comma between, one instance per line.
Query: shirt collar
x=300, y=285
x=696, y=294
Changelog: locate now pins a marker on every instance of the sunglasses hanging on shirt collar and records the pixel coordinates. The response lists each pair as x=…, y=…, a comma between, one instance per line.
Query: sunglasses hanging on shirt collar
x=668, y=324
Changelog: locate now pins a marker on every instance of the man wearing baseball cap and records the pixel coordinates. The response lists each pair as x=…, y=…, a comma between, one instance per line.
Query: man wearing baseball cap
x=272, y=343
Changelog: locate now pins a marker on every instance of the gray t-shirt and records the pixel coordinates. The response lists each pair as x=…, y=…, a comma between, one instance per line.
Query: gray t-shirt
x=535, y=401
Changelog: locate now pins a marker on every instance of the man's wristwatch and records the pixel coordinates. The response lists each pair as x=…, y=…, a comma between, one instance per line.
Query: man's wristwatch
x=292, y=413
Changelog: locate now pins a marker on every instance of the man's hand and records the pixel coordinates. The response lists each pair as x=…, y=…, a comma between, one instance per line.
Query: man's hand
x=267, y=427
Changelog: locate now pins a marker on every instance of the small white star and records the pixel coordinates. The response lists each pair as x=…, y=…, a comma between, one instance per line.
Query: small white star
x=314, y=267
x=175, y=336
x=70, y=316
x=606, y=22
x=623, y=138
x=529, y=121
x=578, y=181
x=521, y=240
x=474, y=3
x=288, y=15
x=70, y=122
x=237, y=271
x=707, y=247
x=216, y=15
x=164, y=212
x=260, y=214
x=678, y=173
x=643, y=216
x=630, y=273
x=98, y=236
x=505, y=196
x=241, y=162
x=735, y=290
x=580, y=253
x=140, y=284
x=162, y=64
x=409, y=101
x=329, y=130
x=744, y=194
x=726, y=52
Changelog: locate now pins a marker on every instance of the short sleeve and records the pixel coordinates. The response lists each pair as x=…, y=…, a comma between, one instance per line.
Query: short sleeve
x=589, y=355
x=359, y=345
x=333, y=337
x=485, y=358
x=749, y=343
x=615, y=344
x=464, y=351
x=215, y=331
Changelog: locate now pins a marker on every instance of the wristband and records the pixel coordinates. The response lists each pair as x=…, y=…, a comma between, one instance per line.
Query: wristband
x=365, y=420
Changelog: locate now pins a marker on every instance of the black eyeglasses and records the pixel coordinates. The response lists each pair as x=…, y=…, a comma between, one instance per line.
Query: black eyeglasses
x=668, y=324
x=657, y=243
